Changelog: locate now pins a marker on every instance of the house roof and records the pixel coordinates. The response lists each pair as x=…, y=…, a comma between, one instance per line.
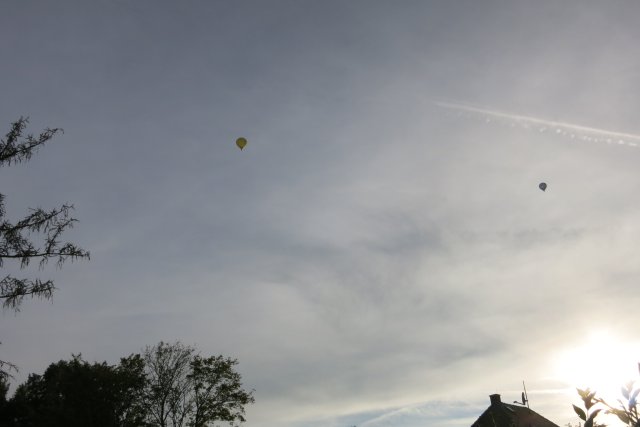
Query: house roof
x=500, y=414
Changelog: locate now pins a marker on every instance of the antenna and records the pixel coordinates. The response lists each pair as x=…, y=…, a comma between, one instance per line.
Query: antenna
x=525, y=397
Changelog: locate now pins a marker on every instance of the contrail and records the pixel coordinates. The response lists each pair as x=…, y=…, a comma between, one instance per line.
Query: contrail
x=574, y=131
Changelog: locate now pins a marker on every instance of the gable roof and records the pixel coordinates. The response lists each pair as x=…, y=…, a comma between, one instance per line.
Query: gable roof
x=500, y=414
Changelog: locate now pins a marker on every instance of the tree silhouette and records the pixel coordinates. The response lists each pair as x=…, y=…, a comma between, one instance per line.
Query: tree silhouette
x=16, y=238
x=77, y=393
x=184, y=389
x=16, y=242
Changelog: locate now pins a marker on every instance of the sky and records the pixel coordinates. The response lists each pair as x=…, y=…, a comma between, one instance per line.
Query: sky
x=380, y=253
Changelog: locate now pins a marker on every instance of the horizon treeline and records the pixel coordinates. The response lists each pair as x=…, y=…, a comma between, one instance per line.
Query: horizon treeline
x=166, y=385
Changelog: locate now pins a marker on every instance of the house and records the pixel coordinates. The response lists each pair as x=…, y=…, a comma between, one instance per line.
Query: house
x=500, y=414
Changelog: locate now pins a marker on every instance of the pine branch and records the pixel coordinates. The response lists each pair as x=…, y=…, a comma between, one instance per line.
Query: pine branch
x=15, y=245
x=12, y=151
x=5, y=369
x=13, y=291
x=17, y=239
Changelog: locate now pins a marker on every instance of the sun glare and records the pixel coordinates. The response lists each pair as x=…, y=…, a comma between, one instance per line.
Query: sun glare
x=602, y=363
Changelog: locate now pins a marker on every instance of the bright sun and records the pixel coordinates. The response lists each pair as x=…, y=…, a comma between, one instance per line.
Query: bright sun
x=602, y=363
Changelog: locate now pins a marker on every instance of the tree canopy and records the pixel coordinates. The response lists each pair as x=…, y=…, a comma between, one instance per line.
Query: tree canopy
x=168, y=385
x=77, y=393
x=186, y=389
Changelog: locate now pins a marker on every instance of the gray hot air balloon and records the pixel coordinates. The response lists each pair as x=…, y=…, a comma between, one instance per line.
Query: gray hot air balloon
x=543, y=186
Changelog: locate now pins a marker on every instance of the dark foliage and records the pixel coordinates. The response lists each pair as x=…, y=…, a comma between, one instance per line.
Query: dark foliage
x=169, y=385
x=76, y=393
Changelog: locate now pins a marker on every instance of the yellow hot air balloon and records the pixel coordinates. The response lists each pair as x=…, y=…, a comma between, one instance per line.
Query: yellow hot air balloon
x=241, y=142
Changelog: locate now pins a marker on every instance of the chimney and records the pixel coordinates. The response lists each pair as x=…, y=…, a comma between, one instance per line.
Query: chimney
x=495, y=399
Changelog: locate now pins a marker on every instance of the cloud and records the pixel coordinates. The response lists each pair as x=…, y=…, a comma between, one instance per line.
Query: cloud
x=568, y=130
x=369, y=259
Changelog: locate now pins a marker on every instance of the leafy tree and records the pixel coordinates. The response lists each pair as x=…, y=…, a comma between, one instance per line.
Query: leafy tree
x=167, y=387
x=626, y=409
x=217, y=391
x=185, y=389
x=5, y=413
x=129, y=408
x=76, y=393
x=15, y=238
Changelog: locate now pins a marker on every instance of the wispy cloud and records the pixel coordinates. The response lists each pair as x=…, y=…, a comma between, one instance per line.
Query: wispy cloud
x=570, y=130
x=435, y=413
